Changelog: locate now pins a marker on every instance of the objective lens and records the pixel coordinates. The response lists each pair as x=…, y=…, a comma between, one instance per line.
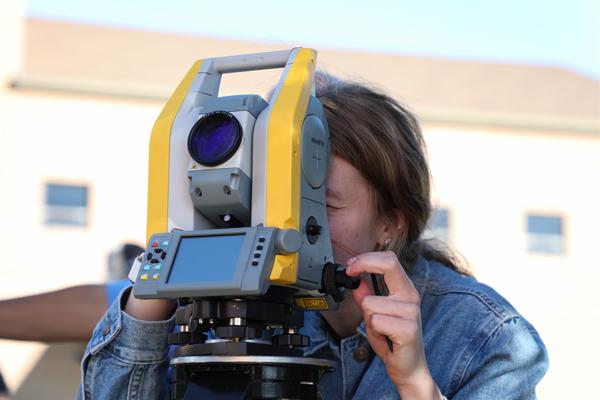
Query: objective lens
x=214, y=138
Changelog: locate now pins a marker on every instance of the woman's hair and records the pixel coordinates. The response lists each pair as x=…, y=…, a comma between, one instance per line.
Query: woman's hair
x=383, y=140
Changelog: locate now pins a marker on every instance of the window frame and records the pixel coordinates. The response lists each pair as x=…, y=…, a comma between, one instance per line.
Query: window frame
x=530, y=236
x=50, y=221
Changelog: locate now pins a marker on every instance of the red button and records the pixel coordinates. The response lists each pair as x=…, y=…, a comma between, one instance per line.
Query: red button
x=155, y=244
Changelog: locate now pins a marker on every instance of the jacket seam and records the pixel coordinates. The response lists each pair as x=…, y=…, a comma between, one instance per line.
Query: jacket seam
x=501, y=313
x=134, y=383
x=88, y=382
x=149, y=361
x=483, y=343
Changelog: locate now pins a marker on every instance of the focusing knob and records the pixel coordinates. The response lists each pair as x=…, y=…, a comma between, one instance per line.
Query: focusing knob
x=335, y=278
x=345, y=281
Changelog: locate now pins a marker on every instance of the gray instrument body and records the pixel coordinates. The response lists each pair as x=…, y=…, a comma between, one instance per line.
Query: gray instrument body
x=200, y=197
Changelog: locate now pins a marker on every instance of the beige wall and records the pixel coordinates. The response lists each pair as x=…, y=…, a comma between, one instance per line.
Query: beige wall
x=96, y=142
x=490, y=179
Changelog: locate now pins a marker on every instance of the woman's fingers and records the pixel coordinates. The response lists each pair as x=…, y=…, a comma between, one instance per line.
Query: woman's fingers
x=361, y=292
x=385, y=263
x=402, y=332
x=376, y=305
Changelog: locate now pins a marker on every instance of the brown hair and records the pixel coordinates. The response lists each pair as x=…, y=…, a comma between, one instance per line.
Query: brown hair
x=383, y=140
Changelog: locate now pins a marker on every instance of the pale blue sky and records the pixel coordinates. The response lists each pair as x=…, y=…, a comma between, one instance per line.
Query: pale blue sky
x=550, y=32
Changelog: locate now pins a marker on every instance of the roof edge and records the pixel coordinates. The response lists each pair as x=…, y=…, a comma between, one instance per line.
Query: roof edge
x=452, y=117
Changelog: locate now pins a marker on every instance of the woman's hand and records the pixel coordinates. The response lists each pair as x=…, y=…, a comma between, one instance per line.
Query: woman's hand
x=398, y=317
x=149, y=309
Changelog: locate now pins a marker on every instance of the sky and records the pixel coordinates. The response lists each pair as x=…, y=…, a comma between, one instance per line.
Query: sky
x=550, y=32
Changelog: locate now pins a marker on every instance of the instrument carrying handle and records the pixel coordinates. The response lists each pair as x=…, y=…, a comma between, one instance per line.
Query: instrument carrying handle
x=251, y=62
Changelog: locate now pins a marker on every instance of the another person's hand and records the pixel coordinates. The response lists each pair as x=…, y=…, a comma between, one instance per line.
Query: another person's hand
x=398, y=317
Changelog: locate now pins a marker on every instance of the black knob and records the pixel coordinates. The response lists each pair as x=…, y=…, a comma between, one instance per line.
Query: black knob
x=345, y=281
x=291, y=340
x=314, y=230
x=179, y=338
x=334, y=279
x=185, y=338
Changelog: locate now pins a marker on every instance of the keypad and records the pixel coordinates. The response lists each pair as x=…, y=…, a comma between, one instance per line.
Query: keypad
x=154, y=258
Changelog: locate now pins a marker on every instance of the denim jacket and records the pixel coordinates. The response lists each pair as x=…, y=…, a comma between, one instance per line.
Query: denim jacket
x=477, y=347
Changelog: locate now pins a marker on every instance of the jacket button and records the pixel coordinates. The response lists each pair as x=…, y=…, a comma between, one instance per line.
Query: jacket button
x=106, y=329
x=361, y=354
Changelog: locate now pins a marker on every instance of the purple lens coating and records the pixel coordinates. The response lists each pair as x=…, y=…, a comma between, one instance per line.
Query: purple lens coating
x=214, y=138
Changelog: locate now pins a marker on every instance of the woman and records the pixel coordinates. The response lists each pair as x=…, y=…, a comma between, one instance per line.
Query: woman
x=450, y=335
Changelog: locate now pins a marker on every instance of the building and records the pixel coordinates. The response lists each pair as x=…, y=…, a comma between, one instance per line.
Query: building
x=514, y=153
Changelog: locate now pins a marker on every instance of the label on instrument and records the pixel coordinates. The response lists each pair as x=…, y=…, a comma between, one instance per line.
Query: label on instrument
x=312, y=303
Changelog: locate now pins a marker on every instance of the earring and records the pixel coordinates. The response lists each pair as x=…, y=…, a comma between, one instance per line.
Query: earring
x=387, y=241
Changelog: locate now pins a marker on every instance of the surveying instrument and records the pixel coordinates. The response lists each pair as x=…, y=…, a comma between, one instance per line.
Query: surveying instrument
x=237, y=230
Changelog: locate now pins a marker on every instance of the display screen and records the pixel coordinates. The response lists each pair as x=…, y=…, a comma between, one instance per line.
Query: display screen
x=206, y=259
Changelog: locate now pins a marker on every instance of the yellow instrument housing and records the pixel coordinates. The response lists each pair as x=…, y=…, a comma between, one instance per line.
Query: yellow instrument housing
x=283, y=158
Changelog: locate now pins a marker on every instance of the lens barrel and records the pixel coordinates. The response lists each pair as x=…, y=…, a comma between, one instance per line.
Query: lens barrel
x=214, y=138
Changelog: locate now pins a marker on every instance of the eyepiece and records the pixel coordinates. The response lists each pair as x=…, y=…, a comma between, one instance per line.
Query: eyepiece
x=214, y=138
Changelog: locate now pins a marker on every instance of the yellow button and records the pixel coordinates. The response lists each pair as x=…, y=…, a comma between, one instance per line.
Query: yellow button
x=144, y=277
x=155, y=276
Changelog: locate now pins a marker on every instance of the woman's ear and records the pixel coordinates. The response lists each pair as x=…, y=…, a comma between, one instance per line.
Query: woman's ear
x=390, y=229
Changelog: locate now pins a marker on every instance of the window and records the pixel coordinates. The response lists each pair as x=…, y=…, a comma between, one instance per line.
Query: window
x=66, y=205
x=545, y=234
x=439, y=225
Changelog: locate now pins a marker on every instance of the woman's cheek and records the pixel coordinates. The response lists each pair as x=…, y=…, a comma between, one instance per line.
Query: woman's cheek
x=336, y=232
x=333, y=223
